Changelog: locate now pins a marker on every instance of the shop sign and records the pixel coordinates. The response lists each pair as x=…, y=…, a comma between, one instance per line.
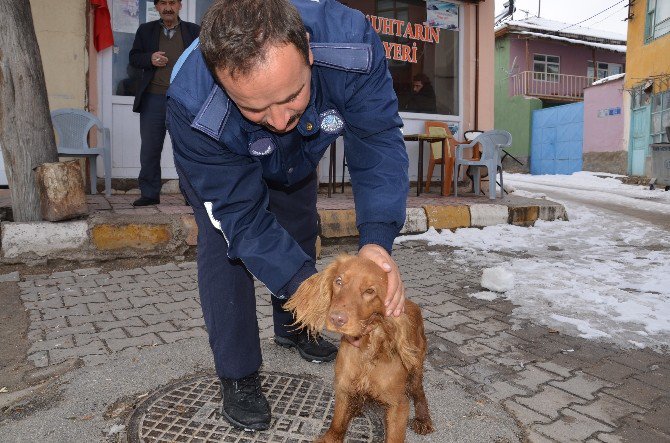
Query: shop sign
x=399, y=28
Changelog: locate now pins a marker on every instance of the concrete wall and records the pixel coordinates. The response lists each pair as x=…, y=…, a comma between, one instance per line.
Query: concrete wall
x=604, y=148
x=644, y=60
x=603, y=132
x=512, y=114
x=62, y=36
x=485, y=117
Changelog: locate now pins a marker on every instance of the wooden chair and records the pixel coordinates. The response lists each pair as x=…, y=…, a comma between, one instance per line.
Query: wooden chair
x=440, y=129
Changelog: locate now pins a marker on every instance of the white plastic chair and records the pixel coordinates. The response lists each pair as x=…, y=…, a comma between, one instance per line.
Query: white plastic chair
x=72, y=126
x=491, y=145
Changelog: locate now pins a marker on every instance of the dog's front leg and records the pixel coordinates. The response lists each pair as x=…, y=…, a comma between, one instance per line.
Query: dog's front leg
x=396, y=421
x=345, y=409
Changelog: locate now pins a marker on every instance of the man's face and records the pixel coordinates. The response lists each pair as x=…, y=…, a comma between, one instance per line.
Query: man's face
x=416, y=86
x=168, y=10
x=274, y=94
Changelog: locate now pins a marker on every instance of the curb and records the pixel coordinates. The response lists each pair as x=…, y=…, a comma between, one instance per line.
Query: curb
x=106, y=237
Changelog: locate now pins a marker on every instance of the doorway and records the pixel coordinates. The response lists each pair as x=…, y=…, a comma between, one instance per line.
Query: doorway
x=639, y=139
x=116, y=84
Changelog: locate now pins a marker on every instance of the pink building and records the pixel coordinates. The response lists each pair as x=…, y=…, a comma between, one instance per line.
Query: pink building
x=604, y=148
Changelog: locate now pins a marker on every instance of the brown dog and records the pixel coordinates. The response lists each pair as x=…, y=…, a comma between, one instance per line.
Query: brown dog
x=380, y=358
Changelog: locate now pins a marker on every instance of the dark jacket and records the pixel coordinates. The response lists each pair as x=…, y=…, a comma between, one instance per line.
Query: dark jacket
x=227, y=159
x=146, y=43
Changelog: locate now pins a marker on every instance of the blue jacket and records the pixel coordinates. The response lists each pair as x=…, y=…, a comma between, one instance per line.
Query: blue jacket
x=228, y=160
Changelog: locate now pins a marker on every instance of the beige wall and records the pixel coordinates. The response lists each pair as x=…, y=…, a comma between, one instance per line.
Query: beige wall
x=486, y=64
x=61, y=33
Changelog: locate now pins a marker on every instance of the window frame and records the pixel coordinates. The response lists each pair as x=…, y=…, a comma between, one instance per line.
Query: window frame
x=660, y=110
x=610, y=65
x=545, y=76
x=651, y=25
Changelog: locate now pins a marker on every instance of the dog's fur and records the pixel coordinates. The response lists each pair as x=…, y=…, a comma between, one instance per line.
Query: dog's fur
x=386, y=366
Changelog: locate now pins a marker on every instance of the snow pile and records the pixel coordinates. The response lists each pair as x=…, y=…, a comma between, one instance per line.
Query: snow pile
x=611, y=78
x=599, y=275
x=589, y=185
x=497, y=279
x=485, y=295
x=546, y=25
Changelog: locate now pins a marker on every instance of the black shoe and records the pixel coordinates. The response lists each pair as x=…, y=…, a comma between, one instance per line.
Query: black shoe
x=315, y=350
x=244, y=405
x=146, y=201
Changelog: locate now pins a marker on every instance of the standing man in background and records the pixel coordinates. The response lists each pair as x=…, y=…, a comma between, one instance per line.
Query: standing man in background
x=157, y=46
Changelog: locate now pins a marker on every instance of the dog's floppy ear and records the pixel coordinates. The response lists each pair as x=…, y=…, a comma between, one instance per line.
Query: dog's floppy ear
x=310, y=302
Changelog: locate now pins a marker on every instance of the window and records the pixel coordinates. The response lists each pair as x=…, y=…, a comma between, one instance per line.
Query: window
x=658, y=19
x=660, y=116
x=604, y=69
x=423, y=60
x=546, y=67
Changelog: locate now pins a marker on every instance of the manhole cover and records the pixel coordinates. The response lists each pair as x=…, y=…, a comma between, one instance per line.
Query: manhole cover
x=188, y=411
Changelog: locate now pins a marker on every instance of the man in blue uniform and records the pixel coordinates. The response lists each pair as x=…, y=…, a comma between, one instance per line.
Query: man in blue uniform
x=252, y=107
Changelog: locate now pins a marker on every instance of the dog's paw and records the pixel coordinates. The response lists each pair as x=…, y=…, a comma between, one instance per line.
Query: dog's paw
x=328, y=438
x=422, y=427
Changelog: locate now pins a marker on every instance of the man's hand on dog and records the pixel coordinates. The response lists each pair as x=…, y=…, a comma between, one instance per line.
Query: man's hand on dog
x=395, y=295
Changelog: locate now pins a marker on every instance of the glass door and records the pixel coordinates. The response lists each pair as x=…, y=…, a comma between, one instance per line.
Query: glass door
x=117, y=84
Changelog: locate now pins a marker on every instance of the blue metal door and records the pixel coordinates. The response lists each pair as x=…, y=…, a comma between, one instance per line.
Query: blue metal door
x=557, y=137
x=639, y=139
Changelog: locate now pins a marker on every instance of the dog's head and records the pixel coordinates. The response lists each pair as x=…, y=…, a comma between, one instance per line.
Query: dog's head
x=344, y=298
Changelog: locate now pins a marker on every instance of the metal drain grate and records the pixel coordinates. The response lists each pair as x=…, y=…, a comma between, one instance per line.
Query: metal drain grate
x=188, y=411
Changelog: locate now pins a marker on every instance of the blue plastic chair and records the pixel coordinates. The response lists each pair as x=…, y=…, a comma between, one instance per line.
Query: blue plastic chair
x=491, y=145
x=72, y=127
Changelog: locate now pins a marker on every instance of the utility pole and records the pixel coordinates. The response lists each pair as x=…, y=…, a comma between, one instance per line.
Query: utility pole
x=539, y=5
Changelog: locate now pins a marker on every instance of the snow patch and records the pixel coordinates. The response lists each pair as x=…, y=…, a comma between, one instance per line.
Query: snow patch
x=497, y=279
x=485, y=295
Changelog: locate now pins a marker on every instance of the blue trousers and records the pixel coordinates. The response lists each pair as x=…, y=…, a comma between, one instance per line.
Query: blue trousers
x=226, y=288
x=152, y=133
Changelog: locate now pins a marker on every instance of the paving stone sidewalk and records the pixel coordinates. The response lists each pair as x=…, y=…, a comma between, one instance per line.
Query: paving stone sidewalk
x=559, y=388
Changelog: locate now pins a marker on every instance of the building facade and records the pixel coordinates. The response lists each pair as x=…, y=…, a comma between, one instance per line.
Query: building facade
x=541, y=63
x=647, y=81
x=449, y=43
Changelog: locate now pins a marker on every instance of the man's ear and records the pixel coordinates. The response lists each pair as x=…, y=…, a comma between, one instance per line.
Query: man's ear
x=309, y=49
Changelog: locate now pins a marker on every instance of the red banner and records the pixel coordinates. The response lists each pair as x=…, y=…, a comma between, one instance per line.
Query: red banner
x=102, y=25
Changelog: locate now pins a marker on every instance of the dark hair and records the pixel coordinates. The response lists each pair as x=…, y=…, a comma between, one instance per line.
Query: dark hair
x=156, y=1
x=236, y=34
x=423, y=78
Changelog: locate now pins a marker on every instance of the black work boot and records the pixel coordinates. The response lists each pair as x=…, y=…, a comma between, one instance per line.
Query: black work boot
x=313, y=349
x=244, y=405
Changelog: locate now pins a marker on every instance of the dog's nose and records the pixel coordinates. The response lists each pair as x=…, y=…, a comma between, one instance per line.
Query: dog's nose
x=338, y=318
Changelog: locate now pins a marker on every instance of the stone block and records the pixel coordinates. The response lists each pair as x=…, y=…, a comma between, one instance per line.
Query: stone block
x=488, y=215
x=338, y=223
x=42, y=238
x=523, y=215
x=549, y=401
x=61, y=190
x=190, y=229
x=552, y=212
x=607, y=409
x=572, y=426
x=415, y=221
x=108, y=237
x=448, y=217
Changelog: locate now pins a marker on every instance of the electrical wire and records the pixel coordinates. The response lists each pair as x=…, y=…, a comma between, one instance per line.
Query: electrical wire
x=594, y=15
x=611, y=15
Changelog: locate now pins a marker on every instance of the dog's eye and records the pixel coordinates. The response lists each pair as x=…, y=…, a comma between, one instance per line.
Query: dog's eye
x=370, y=291
x=338, y=281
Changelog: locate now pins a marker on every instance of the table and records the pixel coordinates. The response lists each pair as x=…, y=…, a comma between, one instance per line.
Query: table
x=332, y=179
x=430, y=139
